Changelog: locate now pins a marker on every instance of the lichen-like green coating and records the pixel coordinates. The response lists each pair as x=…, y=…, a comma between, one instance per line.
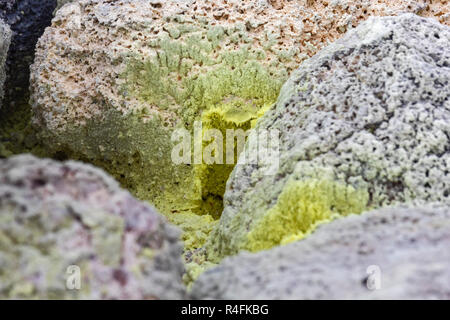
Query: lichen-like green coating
x=233, y=92
x=160, y=71
x=228, y=90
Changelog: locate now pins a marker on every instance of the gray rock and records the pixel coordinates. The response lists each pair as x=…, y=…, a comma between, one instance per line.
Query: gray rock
x=395, y=253
x=5, y=39
x=58, y=217
x=363, y=124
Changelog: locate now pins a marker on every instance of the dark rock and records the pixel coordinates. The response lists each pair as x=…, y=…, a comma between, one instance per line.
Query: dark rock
x=28, y=20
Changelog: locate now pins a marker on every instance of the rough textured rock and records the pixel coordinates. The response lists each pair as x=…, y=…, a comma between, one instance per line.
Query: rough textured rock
x=363, y=124
x=406, y=247
x=54, y=215
x=113, y=79
x=27, y=19
x=5, y=39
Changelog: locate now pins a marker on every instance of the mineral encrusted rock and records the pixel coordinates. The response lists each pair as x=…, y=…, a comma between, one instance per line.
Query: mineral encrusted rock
x=392, y=253
x=27, y=20
x=58, y=217
x=363, y=124
x=112, y=80
x=5, y=39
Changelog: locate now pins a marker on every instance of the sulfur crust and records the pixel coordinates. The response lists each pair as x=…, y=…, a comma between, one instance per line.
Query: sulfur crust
x=217, y=93
x=301, y=206
x=196, y=227
x=227, y=96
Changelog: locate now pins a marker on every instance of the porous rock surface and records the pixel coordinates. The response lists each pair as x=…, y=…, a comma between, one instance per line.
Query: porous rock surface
x=54, y=216
x=392, y=253
x=5, y=39
x=363, y=124
x=113, y=79
x=27, y=20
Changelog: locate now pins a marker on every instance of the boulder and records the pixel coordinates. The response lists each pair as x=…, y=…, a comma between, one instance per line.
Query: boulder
x=5, y=39
x=68, y=231
x=363, y=124
x=113, y=80
x=392, y=253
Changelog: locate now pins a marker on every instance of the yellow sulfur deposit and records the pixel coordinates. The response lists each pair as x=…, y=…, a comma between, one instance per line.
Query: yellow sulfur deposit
x=301, y=206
